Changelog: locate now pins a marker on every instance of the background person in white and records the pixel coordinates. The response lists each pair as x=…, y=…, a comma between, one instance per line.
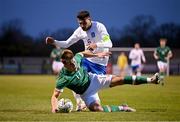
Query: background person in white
x=96, y=39
x=137, y=56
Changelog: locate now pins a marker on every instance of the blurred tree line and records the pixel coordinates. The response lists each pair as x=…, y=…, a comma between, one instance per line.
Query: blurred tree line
x=142, y=29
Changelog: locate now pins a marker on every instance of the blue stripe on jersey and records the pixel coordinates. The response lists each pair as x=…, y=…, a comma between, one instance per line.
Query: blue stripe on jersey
x=93, y=67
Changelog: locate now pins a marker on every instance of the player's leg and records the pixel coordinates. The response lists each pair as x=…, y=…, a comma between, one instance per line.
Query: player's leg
x=162, y=68
x=138, y=72
x=80, y=105
x=96, y=106
x=92, y=100
x=93, y=68
x=93, y=103
x=106, y=81
x=91, y=97
x=117, y=80
x=139, y=69
x=115, y=108
x=134, y=69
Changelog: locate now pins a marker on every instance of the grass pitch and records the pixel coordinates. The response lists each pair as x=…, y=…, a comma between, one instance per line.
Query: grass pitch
x=27, y=98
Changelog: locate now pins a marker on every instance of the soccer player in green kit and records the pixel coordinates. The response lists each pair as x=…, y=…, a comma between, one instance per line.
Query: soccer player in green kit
x=162, y=54
x=74, y=76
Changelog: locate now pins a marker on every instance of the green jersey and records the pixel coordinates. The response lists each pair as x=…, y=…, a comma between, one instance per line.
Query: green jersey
x=78, y=81
x=56, y=54
x=162, y=53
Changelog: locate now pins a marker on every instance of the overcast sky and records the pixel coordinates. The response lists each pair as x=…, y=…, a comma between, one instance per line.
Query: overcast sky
x=40, y=15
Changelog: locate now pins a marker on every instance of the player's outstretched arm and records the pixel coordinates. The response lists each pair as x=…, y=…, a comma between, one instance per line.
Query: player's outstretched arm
x=64, y=44
x=88, y=53
x=143, y=57
x=54, y=100
x=155, y=55
x=169, y=55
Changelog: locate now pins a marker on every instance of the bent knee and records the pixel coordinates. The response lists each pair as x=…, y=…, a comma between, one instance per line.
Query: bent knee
x=95, y=107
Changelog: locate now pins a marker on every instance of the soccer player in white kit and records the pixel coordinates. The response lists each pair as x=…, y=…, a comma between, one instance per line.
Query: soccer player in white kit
x=96, y=39
x=137, y=56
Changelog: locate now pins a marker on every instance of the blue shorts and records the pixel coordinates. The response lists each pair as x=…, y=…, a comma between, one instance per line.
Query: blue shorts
x=135, y=67
x=93, y=67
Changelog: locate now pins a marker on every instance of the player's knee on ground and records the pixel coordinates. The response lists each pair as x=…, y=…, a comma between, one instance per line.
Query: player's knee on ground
x=95, y=106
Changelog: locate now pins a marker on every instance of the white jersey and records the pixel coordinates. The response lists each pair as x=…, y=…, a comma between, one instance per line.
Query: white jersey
x=96, y=34
x=136, y=56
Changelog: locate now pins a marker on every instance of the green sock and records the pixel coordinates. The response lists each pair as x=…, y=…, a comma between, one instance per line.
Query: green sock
x=141, y=79
x=106, y=108
x=111, y=108
x=136, y=79
x=128, y=80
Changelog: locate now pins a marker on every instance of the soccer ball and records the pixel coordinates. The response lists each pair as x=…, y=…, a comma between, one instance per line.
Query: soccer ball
x=65, y=105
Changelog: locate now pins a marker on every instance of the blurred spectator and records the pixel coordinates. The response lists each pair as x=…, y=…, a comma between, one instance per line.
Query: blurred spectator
x=137, y=56
x=56, y=60
x=122, y=63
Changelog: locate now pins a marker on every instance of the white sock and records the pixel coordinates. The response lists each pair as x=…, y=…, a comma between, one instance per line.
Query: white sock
x=77, y=98
x=134, y=79
x=149, y=80
x=121, y=108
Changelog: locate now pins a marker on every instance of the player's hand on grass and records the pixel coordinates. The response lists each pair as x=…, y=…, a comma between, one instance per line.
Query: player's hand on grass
x=54, y=110
x=50, y=40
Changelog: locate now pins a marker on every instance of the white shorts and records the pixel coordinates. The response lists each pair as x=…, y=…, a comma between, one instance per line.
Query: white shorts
x=162, y=65
x=57, y=66
x=97, y=82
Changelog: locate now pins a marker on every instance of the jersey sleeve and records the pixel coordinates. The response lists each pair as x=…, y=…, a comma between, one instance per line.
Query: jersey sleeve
x=106, y=41
x=78, y=57
x=71, y=40
x=132, y=55
x=60, y=83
